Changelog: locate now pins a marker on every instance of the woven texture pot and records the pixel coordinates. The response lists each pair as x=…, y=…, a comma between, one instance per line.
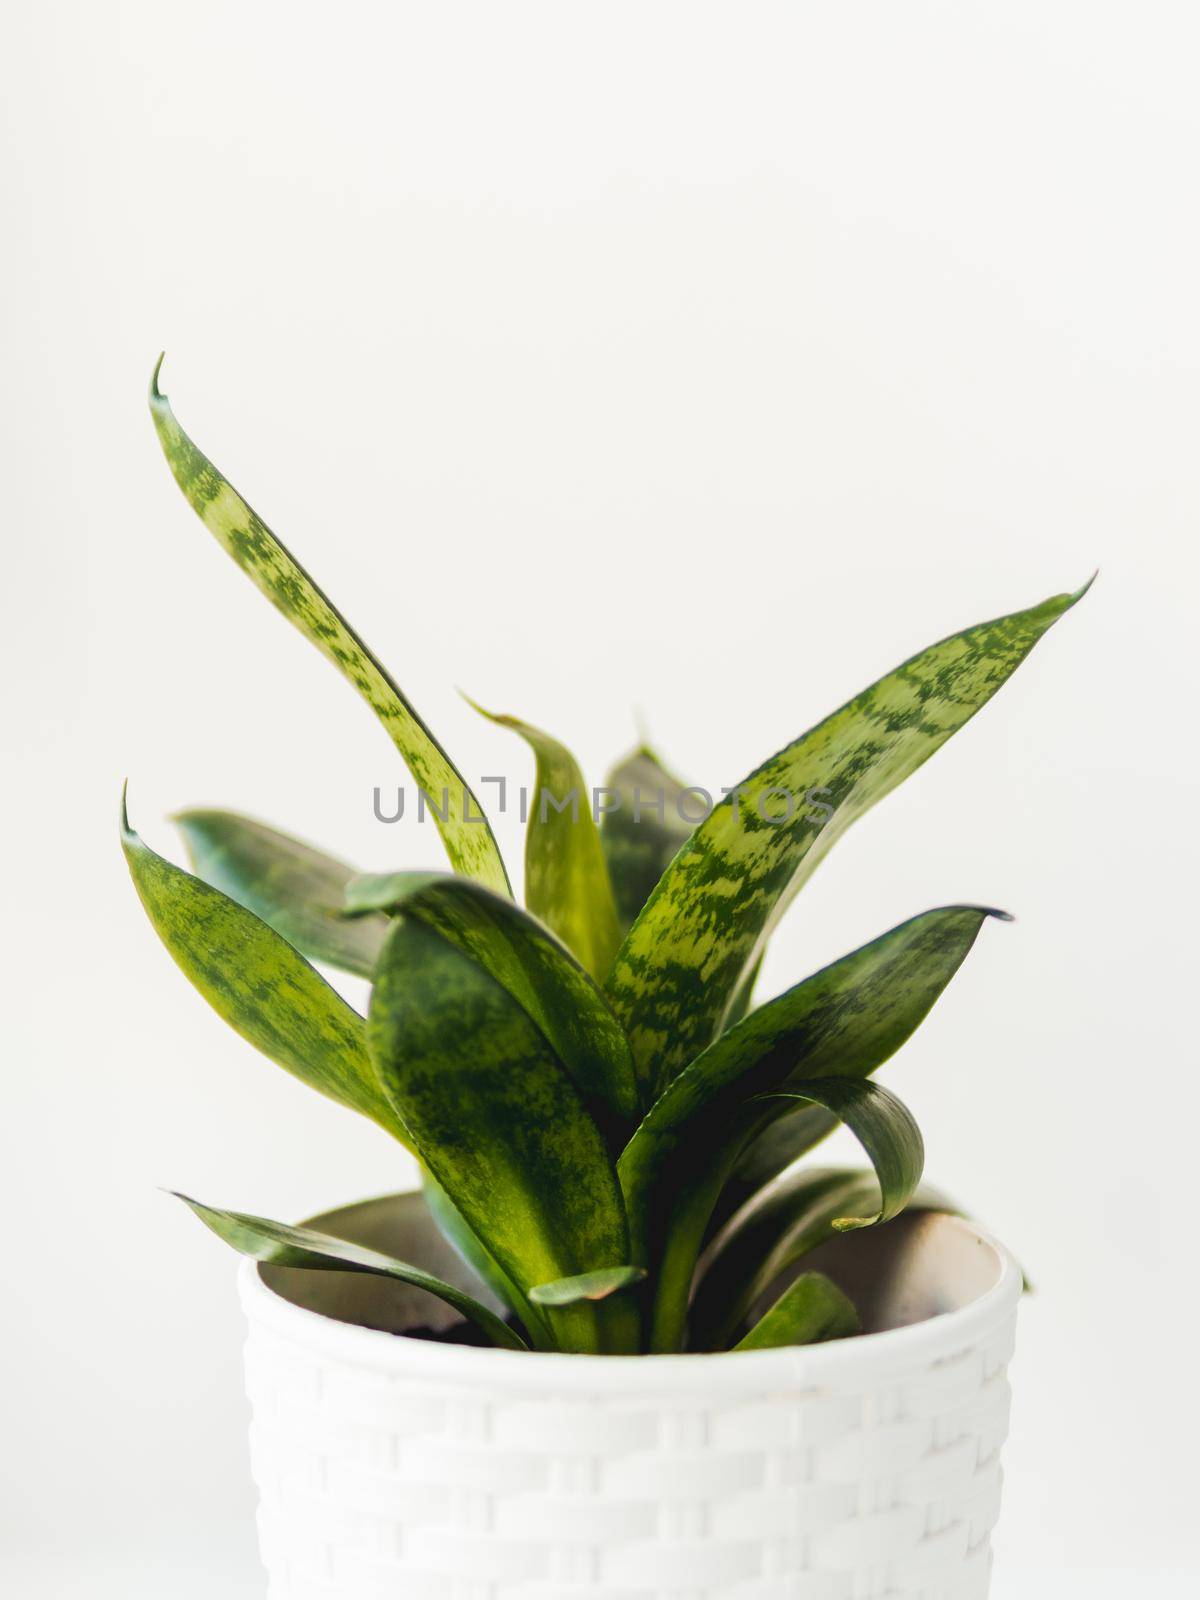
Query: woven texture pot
x=417, y=1470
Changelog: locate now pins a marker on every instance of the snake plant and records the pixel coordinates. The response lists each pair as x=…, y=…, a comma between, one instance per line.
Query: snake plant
x=606, y=1127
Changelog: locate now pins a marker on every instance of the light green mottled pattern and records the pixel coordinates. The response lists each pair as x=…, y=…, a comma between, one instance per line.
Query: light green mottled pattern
x=844, y=1021
x=683, y=959
x=566, y=878
x=541, y=975
x=498, y=1122
x=282, y=1245
x=587, y=1286
x=887, y=1131
x=245, y=536
x=295, y=888
x=768, y=1236
x=639, y=844
x=257, y=983
x=810, y=1311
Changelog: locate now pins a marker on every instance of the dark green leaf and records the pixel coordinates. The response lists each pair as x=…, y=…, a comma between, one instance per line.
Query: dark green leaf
x=566, y=879
x=844, y=1021
x=526, y=959
x=885, y=1128
x=641, y=828
x=298, y=890
x=784, y=1141
x=245, y=536
x=497, y=1120
x=776, y=1229
x=810, y=1311
x=285, y=1246
x=682, y=961
x=586, y=1286
x=256, y=982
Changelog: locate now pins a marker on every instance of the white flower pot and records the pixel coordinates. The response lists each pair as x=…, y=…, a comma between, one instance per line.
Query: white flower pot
x=418, y=1470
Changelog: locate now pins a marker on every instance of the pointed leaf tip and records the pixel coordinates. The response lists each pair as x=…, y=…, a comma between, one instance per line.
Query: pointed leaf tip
x=813, y=1310
x=567, y=882
x=155, y=392
x=246, y=538
x=282, y=1244
x=675, y=977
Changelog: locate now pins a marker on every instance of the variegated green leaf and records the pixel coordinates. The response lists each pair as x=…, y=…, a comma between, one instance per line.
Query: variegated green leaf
x=298, y=890
x=887, y=1131
x=641, y=828
x=255, y=981
x=454, y=1227
x=282, y=1245
x=245, y=536
x=528, y=961
x=683, y=959
x=497, y=1120
x=810, y=1311
x=844, y=1021
x=566, y=879
x=587, y=1286
x=776, y=1229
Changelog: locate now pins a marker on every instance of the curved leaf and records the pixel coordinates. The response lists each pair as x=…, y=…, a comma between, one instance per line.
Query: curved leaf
x=785, y=1141
x=887, y=1131
x=566, y=878
x=298, y=890
x=683, y=959
x=257, y=983
x=778, y=1228
x=844, y=1021
x=639, y=839
x=498, y=1122
x=465, y=831
x=810, y=1311
x=526, y=959
x=586, y=1286
x=282, y=1245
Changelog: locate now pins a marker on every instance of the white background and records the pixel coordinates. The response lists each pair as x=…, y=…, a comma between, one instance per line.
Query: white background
x=700, y=361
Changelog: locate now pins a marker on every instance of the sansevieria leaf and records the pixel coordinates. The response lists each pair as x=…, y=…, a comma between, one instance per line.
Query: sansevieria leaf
x=496, y=1118
x=466, y=833
x=682, y=961
x=887, y=1131
x=295, y=888
x=642, y=827
x=810, y=1311
x=844, y=1021
x=566, y=878
x=527, y=960
x=283, y=1245
x=776, y=1229
x=254, y=979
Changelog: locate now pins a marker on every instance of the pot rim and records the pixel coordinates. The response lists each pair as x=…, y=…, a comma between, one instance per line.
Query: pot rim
x=819, y=1365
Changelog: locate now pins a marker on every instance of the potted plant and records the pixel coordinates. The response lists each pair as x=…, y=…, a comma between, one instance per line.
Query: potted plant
x=608, y=1132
